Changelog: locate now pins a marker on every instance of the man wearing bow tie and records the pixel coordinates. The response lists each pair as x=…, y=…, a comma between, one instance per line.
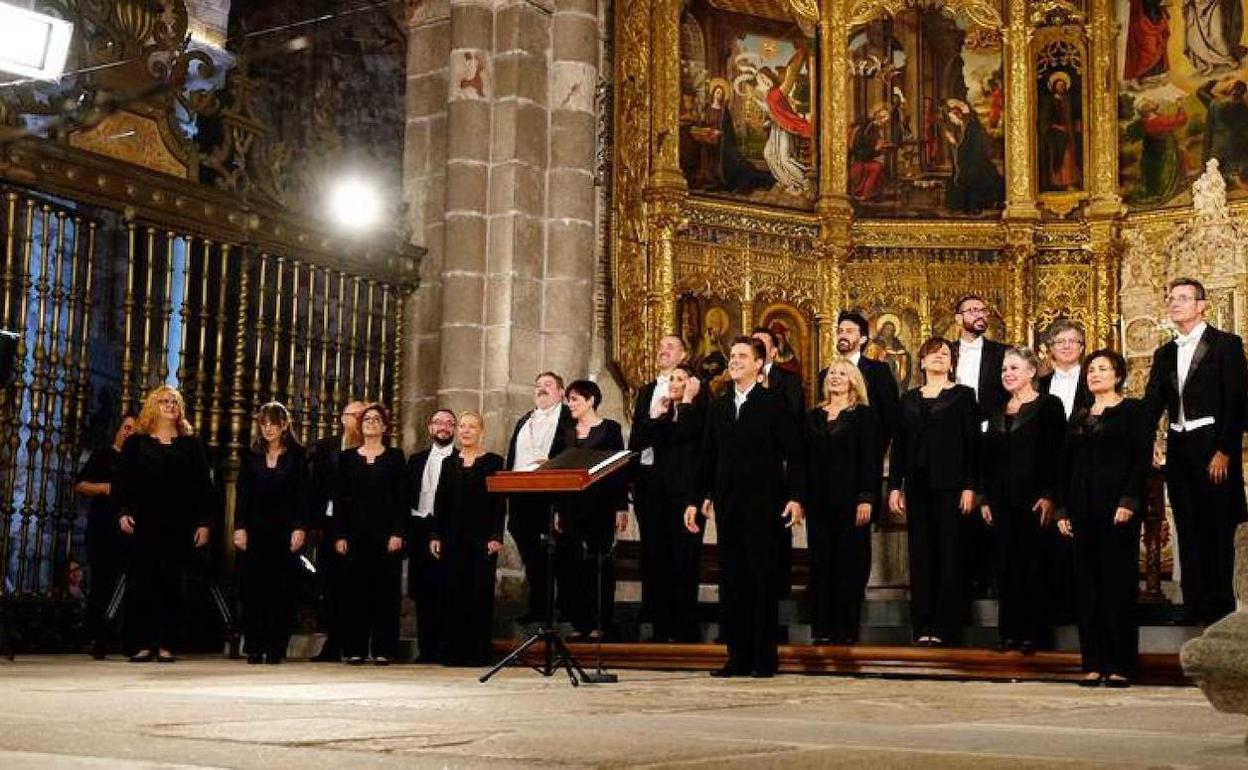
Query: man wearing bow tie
x=1198, y=380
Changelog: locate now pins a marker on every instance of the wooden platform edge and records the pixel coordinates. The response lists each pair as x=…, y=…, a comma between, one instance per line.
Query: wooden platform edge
x=870, y=660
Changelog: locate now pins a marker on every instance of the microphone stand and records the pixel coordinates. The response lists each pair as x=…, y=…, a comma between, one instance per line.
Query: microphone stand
x=599, y=676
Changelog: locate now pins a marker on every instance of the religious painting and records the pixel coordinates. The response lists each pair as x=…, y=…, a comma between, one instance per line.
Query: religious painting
x=794, y=341
x=895, y=341
x=1181, y=100
x=927, y=134
x=708, y=327
x=747, y=103
x=1059, y=113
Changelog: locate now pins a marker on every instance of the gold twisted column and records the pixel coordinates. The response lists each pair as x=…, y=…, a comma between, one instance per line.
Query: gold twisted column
x=1103, y=106
x=259, y=327
x=324, y=409
x=201, y=354
x=238, y=409
x=149, y=308
x=368, y=343
x=665, y=30
x=278, y=296
x=127, y=311
x=308, y=419
x=397, y=359
x=218, y=373
x=289, y=385
x=1020, y=202
x=353, y=350
x=166, y=311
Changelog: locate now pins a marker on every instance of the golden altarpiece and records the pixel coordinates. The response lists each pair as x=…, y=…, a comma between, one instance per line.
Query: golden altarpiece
x=876, y=224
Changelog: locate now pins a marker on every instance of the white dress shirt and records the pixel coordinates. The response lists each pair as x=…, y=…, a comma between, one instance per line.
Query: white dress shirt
x=853, y=357
x=1064, y=385
x=1186, y=344
x=429, y=479
x=534, y=440
x=970, y=355
x=739, y=396
x=662, y=384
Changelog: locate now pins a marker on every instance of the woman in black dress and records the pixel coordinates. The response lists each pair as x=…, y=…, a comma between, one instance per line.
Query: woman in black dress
x=932, y=472
x=370, y=518
x=467, y=537
x=842, y=452
x=1022, y=454
x=167, y=502
x=1108, y=451
x=270, y=525
x=678, y=426
x=588, y=522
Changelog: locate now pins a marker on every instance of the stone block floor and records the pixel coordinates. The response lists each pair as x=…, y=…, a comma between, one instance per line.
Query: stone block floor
x=71, y=712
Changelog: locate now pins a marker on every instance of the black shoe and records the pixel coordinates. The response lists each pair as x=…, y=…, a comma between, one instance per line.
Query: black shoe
x=1117, y=682
x=763, y=674
x=326, y=657
x=1091, y=680
x=355, y=660
x=273, y=660
x=98, y=652
x=821, y=641
x=1028, y=647
x=727, y=671
x=254, y=658
x=381, y=660
x=166, y=657
x=1005, y=645
x=142, y=657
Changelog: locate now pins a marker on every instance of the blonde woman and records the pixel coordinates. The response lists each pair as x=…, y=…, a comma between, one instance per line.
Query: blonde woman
x=167, y=500
x=842, y=448
x=467, y=538
x=270, y=526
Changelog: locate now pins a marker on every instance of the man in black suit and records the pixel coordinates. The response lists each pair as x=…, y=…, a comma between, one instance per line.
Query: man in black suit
x=1066, y=381
x=775, y=377
x=1198, y=380
x=323, y=458
x=538, y=436
x=979, y=368
x=852, y=336
x=750, y=478
x=649, y=510
x=423, y=571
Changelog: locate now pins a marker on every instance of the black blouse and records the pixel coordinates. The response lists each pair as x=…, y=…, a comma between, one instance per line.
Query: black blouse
x=677, y=439
x=1022, y=454
x=610, y=494
x=937, y=438
x=273, y=501
x=371, y=500
x=1107, y=459
x=166, y=488
x=842, y=458
x=466, y=515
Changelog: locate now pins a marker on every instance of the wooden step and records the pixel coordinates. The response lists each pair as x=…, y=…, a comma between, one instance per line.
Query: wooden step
x=866, y=660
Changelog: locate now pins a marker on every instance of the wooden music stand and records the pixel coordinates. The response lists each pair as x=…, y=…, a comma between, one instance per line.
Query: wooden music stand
x=571, y=472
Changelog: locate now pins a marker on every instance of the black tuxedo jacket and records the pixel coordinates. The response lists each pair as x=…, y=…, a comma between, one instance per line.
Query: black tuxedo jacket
x=1021, y=460
x=991, y=394
x=750, y=464
x=940, y=436
x=1214, y=387
x=642, y=433
x=1083, y=396
x=417, y=530
x=565, y=434
x=789, y=385
x=323, y=458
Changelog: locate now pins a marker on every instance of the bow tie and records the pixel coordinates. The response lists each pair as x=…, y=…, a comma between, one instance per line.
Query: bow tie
x=1184, y=340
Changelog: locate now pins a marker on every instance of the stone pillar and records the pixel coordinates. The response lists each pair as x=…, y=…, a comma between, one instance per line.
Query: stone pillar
x=424, y=179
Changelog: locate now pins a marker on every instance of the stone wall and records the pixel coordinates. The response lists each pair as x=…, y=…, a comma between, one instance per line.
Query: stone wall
x=498, y=169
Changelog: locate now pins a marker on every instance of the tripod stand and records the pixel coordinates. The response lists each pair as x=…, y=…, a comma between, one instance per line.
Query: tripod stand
x=557, y=654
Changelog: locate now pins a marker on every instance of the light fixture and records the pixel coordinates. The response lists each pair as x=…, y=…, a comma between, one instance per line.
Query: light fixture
x=354, y=204
x=33, y=45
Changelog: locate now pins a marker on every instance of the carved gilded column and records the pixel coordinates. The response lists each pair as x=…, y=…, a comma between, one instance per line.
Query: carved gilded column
x=665, y=31
x=1020, y=202
x=1105, y=298
x=1103, y=105
x=834, y=98
x=1020, y=247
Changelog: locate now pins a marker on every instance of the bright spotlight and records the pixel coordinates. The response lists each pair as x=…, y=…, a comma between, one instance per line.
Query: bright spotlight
x=33, y=45
x=354, y=204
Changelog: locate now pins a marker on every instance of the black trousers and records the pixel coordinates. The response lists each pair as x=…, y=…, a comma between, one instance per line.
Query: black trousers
x=840, y=564
x=1205, y=516
x=154, y=590
x=587, y=570
x=468, y=609
x=333, y=606
x=978, y=558
x=268, y=574
x=935, y=530
x=680, y=565
x=528, y=521
x=1023, y=591
x=424, y=585
x=373, y=601
x=649, y=505
x=749, y=562
x=107, y=562
x=1107, y=571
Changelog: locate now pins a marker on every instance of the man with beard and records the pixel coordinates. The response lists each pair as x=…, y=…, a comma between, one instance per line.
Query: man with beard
x=979, y=368
x=538, y=436
x=324, y=457
x=649, y=508
x=423, y=581
x=750, y=477
x=852, y=336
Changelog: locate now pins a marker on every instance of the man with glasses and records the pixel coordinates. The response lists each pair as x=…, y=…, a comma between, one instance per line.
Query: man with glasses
x=1066, y=381
x=423, y=471
x=324, y=457
x=1198, y=379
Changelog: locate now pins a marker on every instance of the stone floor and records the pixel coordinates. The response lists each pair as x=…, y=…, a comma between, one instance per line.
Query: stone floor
x=70, y=712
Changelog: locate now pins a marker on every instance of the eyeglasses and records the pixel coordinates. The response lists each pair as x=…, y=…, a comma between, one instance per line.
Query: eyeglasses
x=974, y=311
x=372, y=418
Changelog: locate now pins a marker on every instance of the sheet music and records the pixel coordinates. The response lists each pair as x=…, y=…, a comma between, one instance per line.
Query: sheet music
x=612, y=459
